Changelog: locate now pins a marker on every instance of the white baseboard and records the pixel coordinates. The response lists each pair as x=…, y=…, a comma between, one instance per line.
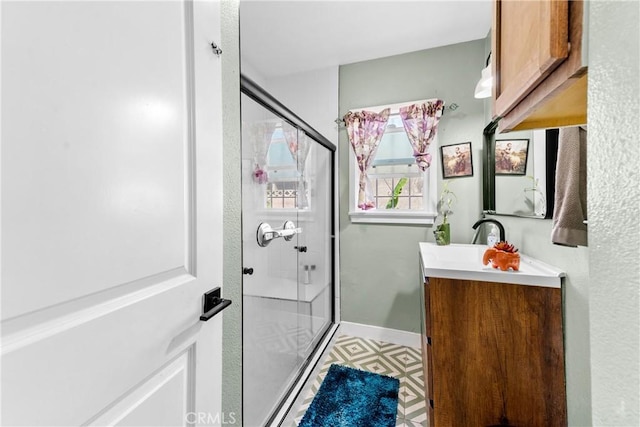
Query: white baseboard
x=394, y=336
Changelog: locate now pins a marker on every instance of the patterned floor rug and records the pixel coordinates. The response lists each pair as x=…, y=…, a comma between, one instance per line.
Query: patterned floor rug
x=401, y=362
x=350, y=397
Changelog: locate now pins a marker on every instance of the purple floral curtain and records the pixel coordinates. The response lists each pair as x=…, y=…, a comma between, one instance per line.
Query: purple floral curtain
x=365, y=130
x=261, y=134
x=299, y=147
x=421, y=124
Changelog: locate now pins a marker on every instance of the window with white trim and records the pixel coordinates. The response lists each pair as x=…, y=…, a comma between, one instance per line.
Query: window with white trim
x=402, y=192
x=282, y=184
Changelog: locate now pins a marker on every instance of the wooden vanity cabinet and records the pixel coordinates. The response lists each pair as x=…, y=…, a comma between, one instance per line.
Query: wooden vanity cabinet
x=493, y=354
x=539, y=64
x=427, y=355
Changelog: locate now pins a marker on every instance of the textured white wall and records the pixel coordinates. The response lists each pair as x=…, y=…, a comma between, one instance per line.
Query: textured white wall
x=248, y=70
x=614, y=211
x=232, y=255
x=313, y=96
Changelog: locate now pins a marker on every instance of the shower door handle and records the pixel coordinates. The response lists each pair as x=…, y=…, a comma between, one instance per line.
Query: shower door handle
x=266, y=234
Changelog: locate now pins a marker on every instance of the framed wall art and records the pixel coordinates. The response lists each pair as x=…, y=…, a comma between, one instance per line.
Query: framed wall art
x=456, y=160
x=511, y=156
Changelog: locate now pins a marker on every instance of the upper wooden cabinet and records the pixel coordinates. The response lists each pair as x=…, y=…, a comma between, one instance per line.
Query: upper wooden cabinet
x=538, y=65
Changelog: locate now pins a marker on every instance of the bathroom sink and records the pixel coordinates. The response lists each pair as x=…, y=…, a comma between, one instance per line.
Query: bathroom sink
x=462, y=261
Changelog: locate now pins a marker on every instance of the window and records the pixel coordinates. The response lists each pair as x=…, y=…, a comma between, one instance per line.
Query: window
x=401, y=191
x=282, y=170
x=397, y=181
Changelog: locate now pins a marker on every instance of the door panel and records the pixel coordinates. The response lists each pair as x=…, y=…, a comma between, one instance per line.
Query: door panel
x=94, y=363
x=88, y=192
x=160, y=401
x=109, y=218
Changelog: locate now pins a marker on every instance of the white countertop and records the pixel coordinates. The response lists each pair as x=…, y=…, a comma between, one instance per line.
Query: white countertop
x=460, y=261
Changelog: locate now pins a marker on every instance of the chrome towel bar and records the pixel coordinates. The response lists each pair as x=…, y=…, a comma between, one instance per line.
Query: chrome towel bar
x=266, y=234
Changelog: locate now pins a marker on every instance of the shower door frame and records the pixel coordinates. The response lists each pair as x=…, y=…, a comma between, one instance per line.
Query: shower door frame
x=263, y=98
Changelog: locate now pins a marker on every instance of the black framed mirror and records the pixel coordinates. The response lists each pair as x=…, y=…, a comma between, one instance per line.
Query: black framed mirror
x=519, y=171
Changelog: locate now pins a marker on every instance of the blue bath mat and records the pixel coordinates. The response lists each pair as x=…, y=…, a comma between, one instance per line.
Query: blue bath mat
x=349, y=397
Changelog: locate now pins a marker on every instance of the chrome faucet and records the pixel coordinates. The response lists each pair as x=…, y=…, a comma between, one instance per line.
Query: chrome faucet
x=483, y=221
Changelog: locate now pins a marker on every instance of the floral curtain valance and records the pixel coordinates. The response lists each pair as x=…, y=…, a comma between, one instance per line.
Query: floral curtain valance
x=261, y=134
x=365, y=130
x=299, y=147
x=421, y=124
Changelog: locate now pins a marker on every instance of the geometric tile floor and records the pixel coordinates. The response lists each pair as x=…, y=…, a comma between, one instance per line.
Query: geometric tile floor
x=401, y=362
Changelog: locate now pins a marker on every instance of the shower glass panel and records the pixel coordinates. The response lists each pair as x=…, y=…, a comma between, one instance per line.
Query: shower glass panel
x=288, y=282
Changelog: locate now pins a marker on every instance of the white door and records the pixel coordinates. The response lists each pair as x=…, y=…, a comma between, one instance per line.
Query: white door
x=111, y=213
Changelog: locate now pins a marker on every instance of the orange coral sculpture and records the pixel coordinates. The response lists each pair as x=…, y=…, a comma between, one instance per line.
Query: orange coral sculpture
x=502, y=255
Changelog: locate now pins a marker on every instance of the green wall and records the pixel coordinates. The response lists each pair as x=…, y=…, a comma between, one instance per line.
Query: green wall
x=379, y=263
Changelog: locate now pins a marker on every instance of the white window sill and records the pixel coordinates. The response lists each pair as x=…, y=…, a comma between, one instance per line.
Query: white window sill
x=392, y=217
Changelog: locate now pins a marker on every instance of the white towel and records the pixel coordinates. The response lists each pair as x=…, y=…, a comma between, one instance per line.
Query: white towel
x=570, y=207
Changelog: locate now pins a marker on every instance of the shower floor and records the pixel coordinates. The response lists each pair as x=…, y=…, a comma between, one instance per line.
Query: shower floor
x=401, y=362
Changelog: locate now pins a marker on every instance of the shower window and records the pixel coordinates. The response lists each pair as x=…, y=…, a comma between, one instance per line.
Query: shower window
x=282, y=195
x=284, y=175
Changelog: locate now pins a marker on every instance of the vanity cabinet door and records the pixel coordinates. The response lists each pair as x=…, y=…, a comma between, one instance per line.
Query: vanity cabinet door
x=428, y=352
x=497, y=354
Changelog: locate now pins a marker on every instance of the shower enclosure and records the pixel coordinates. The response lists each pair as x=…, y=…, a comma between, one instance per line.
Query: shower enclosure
x=288, y=248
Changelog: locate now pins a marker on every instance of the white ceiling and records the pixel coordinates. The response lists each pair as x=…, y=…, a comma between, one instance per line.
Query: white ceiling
x=285, y=37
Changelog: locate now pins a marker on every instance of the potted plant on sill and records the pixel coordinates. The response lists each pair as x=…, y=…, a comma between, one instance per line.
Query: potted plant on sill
x=442, y=231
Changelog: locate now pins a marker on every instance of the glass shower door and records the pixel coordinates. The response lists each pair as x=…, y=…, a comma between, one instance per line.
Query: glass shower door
x=315, y=255
x=270, y=283
x=287, y=213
